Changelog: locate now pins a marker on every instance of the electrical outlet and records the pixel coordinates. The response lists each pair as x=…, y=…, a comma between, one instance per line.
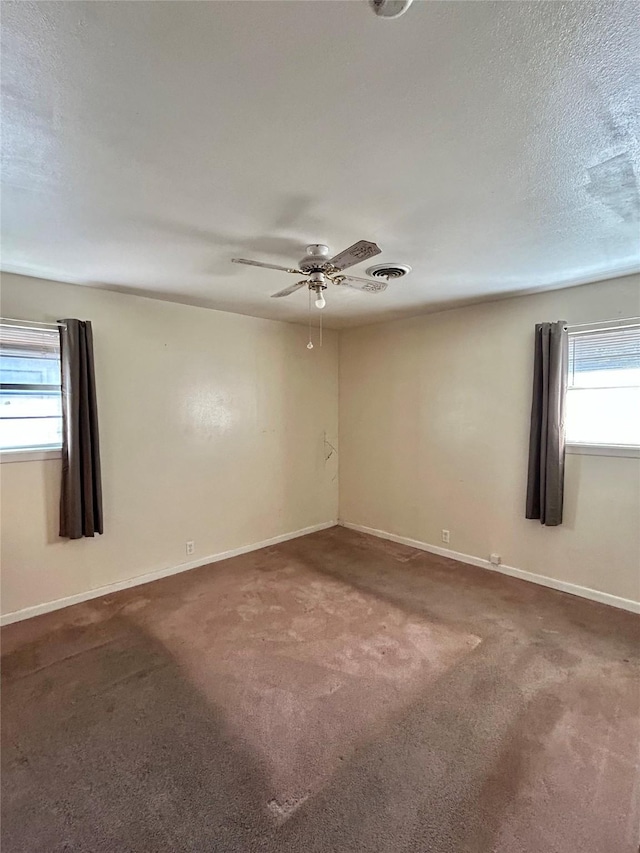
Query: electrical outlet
x=495, y=559
x=191, y=548
x=445, y=536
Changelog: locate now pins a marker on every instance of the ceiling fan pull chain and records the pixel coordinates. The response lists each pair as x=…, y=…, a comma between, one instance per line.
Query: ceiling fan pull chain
x=310, y=344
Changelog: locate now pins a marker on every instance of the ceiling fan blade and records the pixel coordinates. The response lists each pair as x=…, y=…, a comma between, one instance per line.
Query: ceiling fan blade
x=288, y=290
x=354, y=254
x=266, y=266
x=368, y=284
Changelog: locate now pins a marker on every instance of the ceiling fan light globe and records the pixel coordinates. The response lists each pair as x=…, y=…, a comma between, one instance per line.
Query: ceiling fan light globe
x=390, y=9
x=320, y=301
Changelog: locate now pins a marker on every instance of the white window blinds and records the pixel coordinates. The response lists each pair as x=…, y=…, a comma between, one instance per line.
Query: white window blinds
x=614, y=353
x=30, y=402
x=603, y=396
x=43, y=343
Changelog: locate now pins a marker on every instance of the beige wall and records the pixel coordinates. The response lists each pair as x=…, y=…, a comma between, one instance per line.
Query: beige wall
x=434, y=422
x=212, y=429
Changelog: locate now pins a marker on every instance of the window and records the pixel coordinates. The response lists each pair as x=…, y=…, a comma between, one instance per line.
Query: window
x=603, y=396
x=30, y=402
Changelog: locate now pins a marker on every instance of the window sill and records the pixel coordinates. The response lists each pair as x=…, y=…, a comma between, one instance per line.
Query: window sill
x=33, y=455
x=629, y=450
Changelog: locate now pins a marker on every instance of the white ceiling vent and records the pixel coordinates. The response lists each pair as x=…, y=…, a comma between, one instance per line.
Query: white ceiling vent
x=389, y=271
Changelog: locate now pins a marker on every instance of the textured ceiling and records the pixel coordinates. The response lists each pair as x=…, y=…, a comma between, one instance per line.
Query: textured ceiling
x=492, y=146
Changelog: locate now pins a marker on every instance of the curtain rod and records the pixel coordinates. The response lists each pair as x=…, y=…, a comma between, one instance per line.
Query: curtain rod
x=28, y=324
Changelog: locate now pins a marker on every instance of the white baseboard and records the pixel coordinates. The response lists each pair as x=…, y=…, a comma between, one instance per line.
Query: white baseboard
x=99, y=592
x=542, y=580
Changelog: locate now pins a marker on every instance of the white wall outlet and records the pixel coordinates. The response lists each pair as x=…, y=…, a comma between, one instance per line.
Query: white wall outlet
x=496, y=559
x=191, y=548
x=445, y=536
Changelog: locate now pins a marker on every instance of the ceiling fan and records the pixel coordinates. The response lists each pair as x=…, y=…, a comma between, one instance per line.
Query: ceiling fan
x=320, y=269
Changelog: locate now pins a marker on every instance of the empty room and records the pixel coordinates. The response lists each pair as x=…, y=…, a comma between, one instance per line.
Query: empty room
x=320, y=426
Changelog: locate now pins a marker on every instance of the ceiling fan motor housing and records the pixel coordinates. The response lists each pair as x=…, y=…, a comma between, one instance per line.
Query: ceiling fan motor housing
x=316, y=257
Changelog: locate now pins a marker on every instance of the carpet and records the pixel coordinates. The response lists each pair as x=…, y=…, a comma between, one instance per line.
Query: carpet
x=332, y=693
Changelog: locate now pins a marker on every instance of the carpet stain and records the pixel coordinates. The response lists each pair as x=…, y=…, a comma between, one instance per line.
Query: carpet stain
x=284, y=810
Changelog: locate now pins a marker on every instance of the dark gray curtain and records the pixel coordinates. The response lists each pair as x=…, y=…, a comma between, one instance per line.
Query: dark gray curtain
x=81, y=490
x=545, y=484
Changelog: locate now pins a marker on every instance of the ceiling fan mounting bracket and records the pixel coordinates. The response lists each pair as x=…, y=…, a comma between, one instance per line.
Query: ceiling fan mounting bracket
x=318, y=250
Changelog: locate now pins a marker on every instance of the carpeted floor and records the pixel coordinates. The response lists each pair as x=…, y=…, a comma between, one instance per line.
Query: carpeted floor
x=333, y=693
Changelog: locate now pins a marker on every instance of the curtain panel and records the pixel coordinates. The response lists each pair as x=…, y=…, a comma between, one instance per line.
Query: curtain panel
x=81, y=488
x=545, y=486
